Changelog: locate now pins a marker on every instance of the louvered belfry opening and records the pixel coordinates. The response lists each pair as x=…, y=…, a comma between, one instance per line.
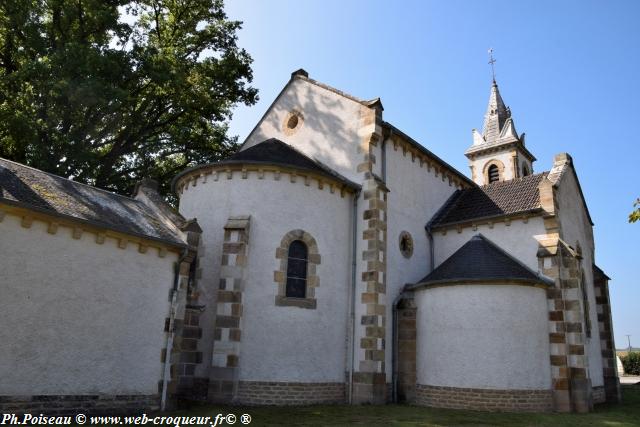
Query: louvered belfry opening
x=494, y=174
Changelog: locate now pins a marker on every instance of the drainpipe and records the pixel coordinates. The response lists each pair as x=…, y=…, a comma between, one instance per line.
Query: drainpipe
x=394, y=353
x=169, y=342
x=427, y=228
x=352, y=314
x=383, y=156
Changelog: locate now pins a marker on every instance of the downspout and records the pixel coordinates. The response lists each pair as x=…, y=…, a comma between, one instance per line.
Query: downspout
x=352, y=314
x=394, y=353
x=383, y=156
x=427, y=228
x=170, y=337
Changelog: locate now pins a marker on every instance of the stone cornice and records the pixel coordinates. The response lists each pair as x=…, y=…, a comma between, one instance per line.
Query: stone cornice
x=411, y=147
x=432, y=166
x=78, y=227
x=488, y=220
x=541, y=282
x=227, y=171
x=472, y=152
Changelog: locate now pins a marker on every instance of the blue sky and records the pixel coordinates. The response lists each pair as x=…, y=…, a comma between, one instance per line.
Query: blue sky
x=569, y=70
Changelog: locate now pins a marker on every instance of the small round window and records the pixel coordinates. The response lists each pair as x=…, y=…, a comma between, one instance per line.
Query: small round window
x=406, y=244
x=292, y=122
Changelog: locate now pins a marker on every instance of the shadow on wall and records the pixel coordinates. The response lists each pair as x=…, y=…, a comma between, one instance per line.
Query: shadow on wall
x=324, y=117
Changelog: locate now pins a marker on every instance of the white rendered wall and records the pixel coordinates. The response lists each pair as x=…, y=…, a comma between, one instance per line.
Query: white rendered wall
x=517, y=239
x=79, y=317
x=329, y=132
x=483, y=336
x=575, y=227
x=414, y=197
x=279, y=343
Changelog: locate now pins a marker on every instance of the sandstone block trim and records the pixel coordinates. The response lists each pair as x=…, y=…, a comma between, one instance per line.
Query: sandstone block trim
x=605, y=328
x=368, y=379
x=598, y=394
x=223, y=379
x=492, y=400
x=406, y=335
x=74, y=404
x=290, y=393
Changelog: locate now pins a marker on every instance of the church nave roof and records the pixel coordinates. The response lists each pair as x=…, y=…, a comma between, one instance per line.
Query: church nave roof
x=499, y=199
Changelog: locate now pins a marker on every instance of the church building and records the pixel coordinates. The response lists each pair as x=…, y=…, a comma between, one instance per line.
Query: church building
x=332, y=259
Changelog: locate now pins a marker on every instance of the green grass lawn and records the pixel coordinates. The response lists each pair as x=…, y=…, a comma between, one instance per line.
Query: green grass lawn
x=625, y=414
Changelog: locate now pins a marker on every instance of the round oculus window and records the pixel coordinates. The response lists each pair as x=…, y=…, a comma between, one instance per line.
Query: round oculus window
x=292, y=122
x=406, y=244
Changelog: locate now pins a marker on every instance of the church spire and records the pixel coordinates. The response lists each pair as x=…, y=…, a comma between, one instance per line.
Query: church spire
x=498, y=153
x=495, y=117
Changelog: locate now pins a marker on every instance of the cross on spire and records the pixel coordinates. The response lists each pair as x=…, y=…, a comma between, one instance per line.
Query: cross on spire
x=491, y=62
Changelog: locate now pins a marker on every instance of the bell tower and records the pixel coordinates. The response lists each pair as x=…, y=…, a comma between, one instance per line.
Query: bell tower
x=498, y=153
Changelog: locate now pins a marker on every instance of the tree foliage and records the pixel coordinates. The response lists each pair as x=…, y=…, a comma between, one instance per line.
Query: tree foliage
x=635, y=215
x=631, y=363
x=110, y=91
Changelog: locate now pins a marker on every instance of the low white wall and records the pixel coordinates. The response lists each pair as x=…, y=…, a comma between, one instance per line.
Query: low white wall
x=79, y=317
x=483, y=336
x=279, y=343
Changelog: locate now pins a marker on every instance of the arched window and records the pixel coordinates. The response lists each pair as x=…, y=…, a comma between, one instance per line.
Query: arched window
x=494, y=174
x=525, y=170
x=297, y=258
x=297, y=277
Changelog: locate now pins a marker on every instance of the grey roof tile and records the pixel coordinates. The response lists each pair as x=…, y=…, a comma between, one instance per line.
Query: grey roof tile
x=32, y=188
x=599, y=275
x=275, y=152
x=481, y=260
x=493, y=200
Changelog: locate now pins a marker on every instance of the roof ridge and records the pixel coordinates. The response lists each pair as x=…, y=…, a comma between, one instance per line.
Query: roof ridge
x=515, y=180
x=366, y=103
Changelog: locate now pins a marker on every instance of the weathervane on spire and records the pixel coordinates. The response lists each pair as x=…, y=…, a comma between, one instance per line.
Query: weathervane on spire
x=492, y=61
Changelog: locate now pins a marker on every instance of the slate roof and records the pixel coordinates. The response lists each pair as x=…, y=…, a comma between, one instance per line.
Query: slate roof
x=275, y=152
x=34, y=189
x=598, y=274
x=481, y=260
x=493, y=200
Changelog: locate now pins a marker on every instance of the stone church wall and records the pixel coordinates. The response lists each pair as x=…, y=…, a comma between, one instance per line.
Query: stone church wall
x=417, y=191
x=575, y=228
x=485, y=345
x=277, y=344
x=83, y=317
